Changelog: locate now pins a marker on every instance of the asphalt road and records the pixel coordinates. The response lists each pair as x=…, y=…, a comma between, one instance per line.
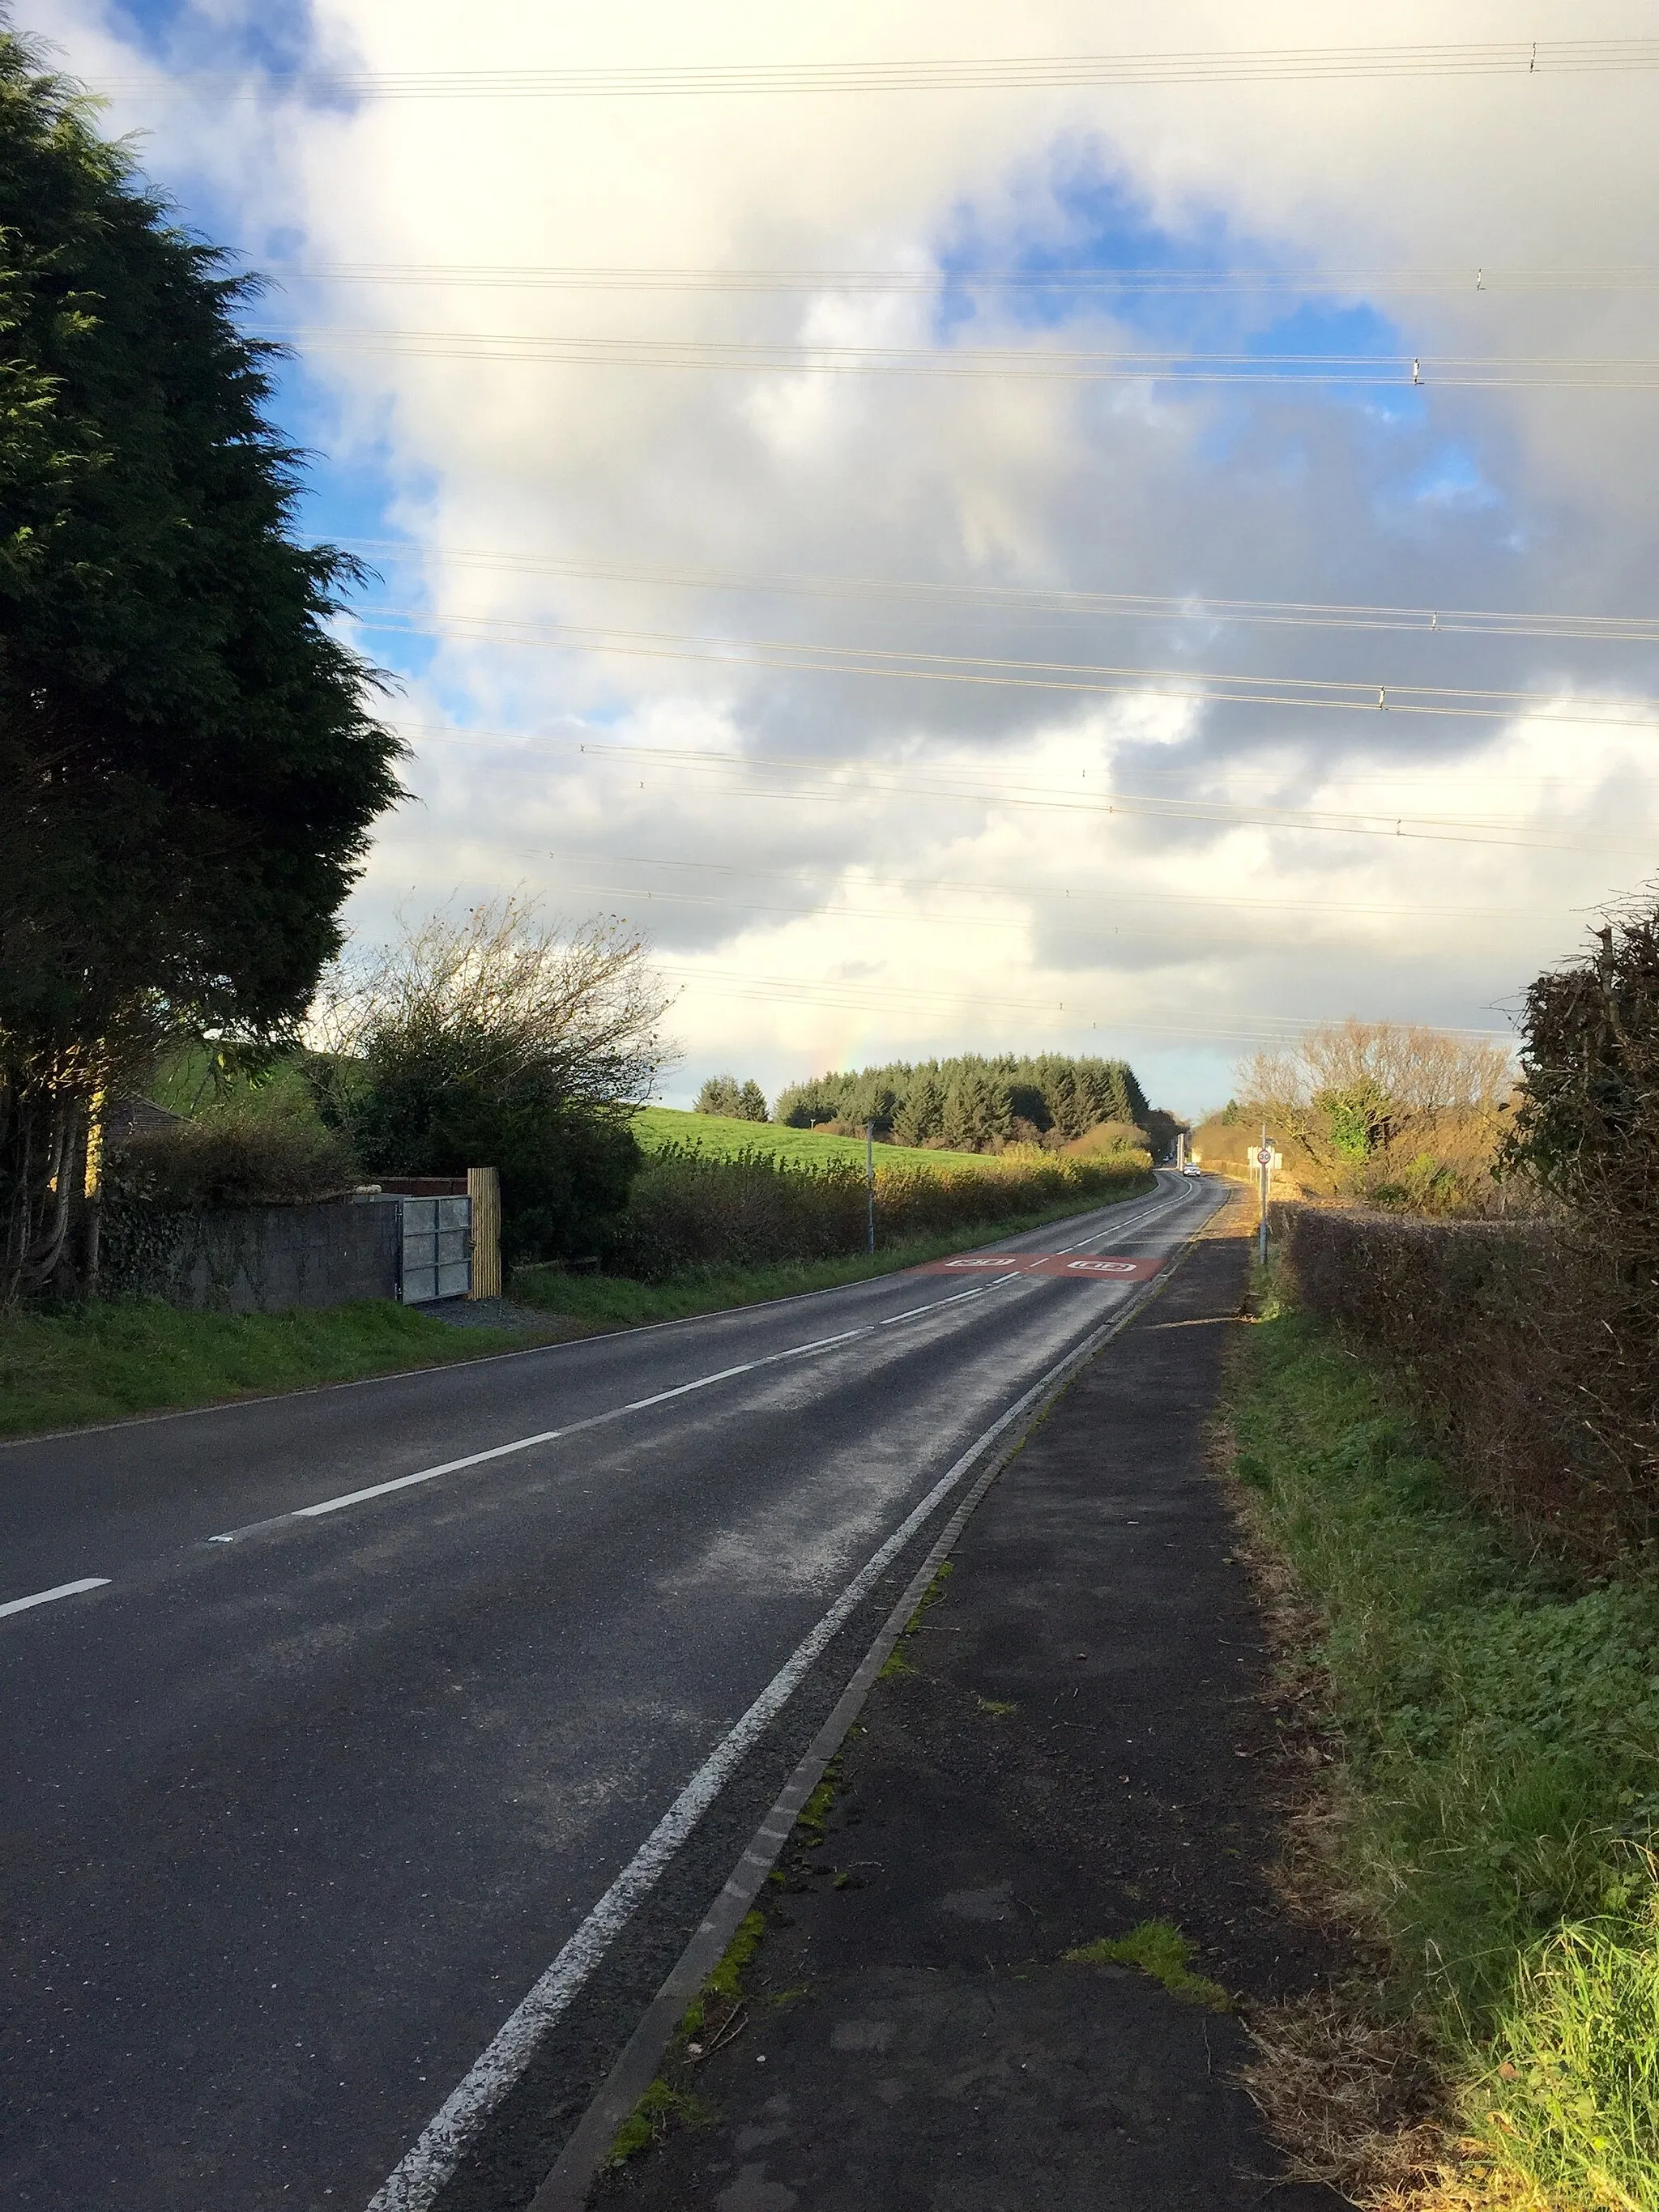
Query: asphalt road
x=295, y=1820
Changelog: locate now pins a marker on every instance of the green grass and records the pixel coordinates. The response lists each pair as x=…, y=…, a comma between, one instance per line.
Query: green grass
x=604, y=1302
x=722, y=1135
x=1500, y=1793
x=1159, y=1949
x=102, y=1363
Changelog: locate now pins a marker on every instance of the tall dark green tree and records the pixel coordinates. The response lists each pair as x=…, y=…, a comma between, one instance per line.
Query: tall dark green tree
x=189, y=766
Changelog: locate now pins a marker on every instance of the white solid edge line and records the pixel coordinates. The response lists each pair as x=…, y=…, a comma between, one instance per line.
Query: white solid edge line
x=414, y=2185
x=414, y=2182
x=741, y=1886
x=63, y=1589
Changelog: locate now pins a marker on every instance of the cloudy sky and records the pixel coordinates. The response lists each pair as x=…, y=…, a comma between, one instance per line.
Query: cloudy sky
x=759, y=561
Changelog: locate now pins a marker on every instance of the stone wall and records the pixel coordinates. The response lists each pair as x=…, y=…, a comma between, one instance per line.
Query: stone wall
x=255, y=1259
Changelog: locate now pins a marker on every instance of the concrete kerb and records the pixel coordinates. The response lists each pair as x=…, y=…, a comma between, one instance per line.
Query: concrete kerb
x=567, y=2187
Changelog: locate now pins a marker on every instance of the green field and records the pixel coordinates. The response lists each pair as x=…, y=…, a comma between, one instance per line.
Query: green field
x=720, y=1135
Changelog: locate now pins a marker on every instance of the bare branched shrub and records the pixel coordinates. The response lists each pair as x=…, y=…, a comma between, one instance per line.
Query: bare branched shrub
x=499, y=1038
x=1393, y=1112
x=502, y=997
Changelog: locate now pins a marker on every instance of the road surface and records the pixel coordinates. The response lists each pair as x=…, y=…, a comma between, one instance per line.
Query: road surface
x=368, y=1713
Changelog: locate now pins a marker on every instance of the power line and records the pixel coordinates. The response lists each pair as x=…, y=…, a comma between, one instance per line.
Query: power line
x=1187, y=607
x=874, y=776
x=1356, y=695
x=639, y=895
x=886, y=914
x=1036, y=893
x=1030, y=72
x=863, y=997
x=875, y=779
x=493, y=739
x=1384, y=371
x=1446, y=282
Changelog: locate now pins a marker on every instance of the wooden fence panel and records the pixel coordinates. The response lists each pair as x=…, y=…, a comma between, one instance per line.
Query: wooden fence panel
x=483, y=1187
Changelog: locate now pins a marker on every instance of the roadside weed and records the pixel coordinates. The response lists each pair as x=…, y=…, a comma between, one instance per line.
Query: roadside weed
x=1569, y=2092
x=1159, y=1949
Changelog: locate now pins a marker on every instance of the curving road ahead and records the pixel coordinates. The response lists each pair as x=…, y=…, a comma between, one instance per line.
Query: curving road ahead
x=371, y=1752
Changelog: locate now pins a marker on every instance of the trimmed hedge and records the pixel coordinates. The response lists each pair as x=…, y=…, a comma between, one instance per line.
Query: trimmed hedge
x=689, y=1209
x=1523, y=1347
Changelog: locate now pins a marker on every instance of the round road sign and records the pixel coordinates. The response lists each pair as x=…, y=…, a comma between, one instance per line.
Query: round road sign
x=1264, y=1158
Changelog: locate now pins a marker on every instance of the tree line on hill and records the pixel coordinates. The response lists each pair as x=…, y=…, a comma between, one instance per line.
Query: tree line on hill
x=971, y=1103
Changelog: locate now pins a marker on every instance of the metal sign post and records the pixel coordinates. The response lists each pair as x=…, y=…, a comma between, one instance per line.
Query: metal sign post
x=1264, y=1169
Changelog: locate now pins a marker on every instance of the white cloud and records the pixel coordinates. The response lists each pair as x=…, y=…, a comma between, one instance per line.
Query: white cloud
x=1148, y=926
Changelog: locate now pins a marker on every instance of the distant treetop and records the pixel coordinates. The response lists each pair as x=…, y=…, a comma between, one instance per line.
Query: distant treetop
x=972, y=1104
x=740, y=1102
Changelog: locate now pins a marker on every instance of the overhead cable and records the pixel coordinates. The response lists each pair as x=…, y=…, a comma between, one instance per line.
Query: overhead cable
x=741, y=983
x=1370, y=372
x=862, y=780
x=1356, y=695
x=1036, y=893
x=1020, y=599
x=644, y=895
x=576, y=277
x=1033, y=72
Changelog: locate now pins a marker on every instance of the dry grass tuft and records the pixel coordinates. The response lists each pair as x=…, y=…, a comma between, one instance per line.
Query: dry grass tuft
x=1350, y=2099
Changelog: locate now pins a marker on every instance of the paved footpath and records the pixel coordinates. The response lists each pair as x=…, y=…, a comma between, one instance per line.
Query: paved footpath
x=1081, y=1744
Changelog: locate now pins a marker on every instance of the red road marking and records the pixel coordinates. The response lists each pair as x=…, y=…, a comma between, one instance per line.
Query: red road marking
x=1074, y=1267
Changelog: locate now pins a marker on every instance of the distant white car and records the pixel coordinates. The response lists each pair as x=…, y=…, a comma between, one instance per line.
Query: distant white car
x=1190, y=1169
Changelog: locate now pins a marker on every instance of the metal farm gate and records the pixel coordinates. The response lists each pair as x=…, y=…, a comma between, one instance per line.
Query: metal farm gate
x=437, y=1250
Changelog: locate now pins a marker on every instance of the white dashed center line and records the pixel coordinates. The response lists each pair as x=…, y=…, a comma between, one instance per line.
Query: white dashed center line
x=63, y=1590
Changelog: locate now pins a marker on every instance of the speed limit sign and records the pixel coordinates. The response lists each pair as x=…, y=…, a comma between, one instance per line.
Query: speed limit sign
x=1264, y=1158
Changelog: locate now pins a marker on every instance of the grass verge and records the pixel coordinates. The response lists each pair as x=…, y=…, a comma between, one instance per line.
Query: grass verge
x=1487, y=1826
x=620, y=1302
x=103, y=1363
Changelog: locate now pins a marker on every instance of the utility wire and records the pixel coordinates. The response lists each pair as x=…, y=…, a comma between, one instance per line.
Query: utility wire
x=1498, y=372
x=1234, y=65
x=739, y=983
x=1034, y=893
x=1357, y=695
x=871, y=779
x=642, y=895
x=1407, y=779
x=1188, y=607
x=1448, y=282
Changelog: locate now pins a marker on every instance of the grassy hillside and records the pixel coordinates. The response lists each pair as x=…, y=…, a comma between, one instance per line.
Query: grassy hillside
x=656, y=1127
